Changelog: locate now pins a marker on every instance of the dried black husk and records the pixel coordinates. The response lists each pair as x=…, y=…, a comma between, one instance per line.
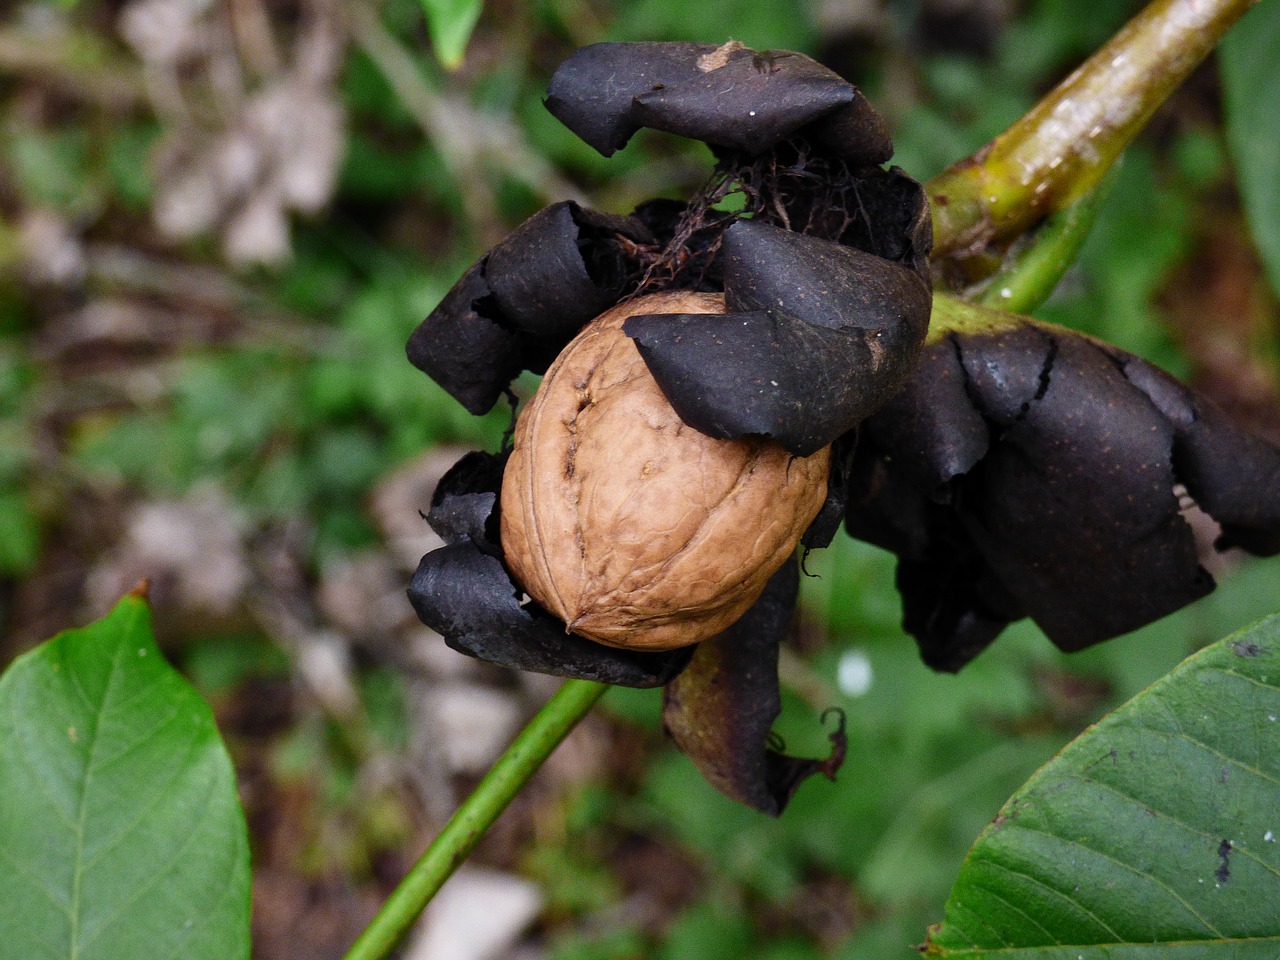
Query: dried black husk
x=856, y=132
x=749, y=104
x=561, y=268
x=803, y=145
x=464, y=349
x=1027, y=470
x=593, y=91
x=518, y=306
x=464, y=506
x=730, y=97
x=721, y=708
x=824, y=527
x=826, y=279
x=1233, y=475
x=818, y=335
x=467, y=596
x=823, y=322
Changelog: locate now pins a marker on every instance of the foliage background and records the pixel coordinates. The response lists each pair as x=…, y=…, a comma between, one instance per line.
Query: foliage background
x=219, y=221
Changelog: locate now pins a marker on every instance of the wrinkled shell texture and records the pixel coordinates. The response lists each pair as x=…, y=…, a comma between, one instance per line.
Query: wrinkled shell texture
x=634, y=528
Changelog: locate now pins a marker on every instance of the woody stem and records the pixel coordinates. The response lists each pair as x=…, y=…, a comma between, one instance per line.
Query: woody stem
x=1059, y=151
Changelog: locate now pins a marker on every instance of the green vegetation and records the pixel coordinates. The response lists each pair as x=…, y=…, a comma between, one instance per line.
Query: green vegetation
x=146, y=360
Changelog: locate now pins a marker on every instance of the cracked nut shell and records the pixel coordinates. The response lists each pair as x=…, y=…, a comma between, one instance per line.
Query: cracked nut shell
x=631, y=526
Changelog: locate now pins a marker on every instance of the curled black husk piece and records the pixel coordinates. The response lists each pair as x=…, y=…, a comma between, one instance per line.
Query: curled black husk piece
x=562, y=267
x=805, y=315
x=1030, y=471
x=824, y=323
x=468, y=597
x=721, y=709
x=728, y=96
x=518, y=306
x=464, y=507
x=464, y=349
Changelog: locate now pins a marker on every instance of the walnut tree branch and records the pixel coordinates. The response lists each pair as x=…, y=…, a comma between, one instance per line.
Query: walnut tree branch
x=1059, y=151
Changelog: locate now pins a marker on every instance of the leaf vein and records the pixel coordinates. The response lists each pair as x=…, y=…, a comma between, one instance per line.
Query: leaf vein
x=1059, y=893
x=159, y=874
x=1124, y=866
x=1244, y=851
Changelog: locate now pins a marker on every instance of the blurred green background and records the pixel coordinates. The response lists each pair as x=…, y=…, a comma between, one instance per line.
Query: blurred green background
x=220, y=221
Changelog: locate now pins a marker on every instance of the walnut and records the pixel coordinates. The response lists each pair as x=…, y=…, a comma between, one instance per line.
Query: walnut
x=631, y=526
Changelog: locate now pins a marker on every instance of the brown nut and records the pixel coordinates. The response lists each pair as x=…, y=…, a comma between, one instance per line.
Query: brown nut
x=631, y=526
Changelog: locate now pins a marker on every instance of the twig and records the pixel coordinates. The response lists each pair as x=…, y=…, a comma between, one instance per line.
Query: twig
x=461, y=834
x=1029, y=275
x=1061, y=149
x=112, y=82
x=252, y=31
x=282, y=605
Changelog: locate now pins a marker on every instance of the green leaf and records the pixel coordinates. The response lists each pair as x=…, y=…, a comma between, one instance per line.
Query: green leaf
x=451, y=23
x=761, y=24
x=1155, y=834
x=120, y=831
x=1250, y=58
x=19, y=534
x=710, y=931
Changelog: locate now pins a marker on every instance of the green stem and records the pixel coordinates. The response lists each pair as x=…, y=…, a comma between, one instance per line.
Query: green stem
x=1031, y=272
x=1059, y=151
x=464, y=830
x=953, y=315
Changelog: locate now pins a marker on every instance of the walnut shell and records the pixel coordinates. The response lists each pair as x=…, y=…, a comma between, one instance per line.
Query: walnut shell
x=634, y=528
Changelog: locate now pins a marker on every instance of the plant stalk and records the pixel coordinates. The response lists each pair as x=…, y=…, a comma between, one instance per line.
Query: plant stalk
x=1059, y=151
x=1029, y=275
x=468, y=825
